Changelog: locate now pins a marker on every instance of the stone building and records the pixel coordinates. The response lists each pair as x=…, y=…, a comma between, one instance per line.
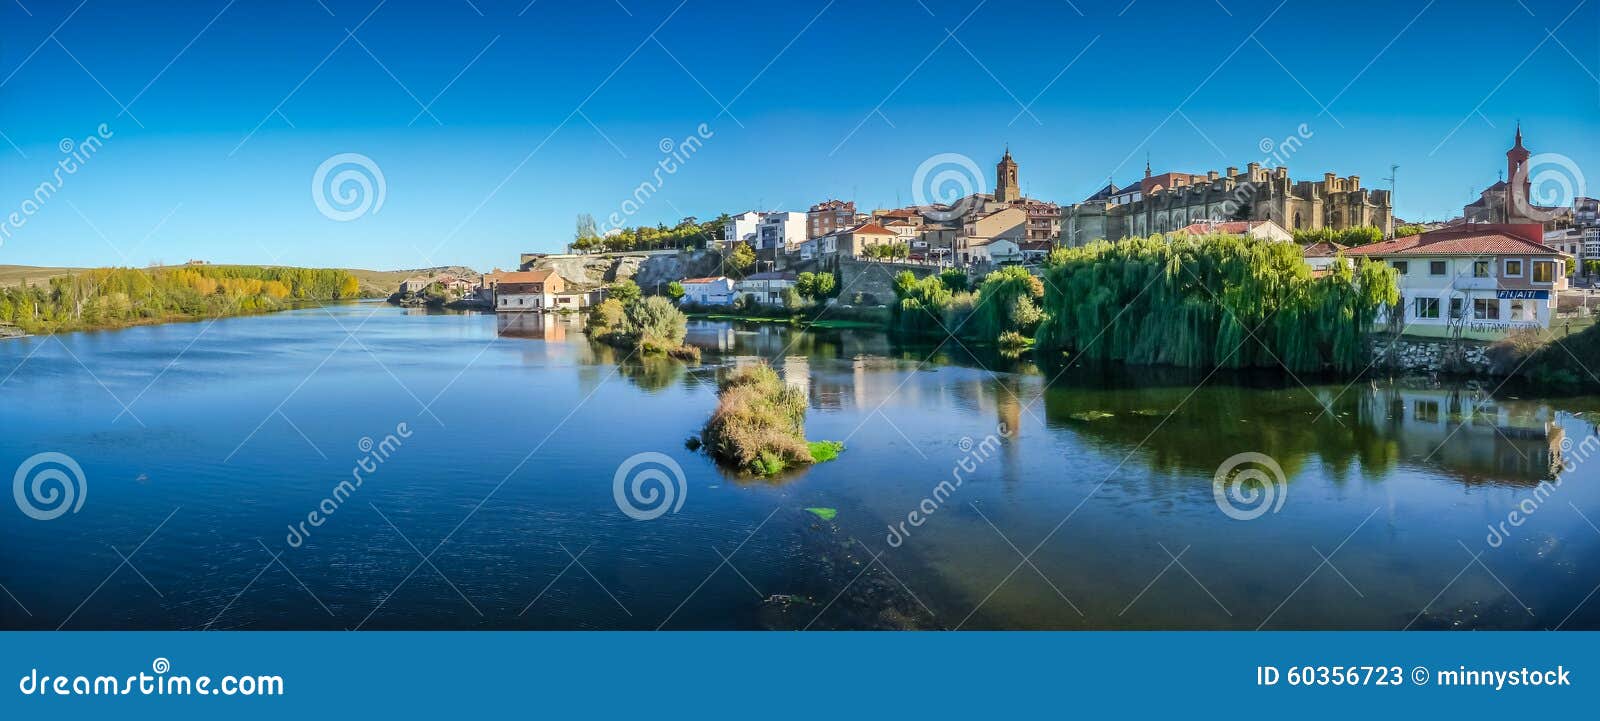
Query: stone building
x=1169, y=201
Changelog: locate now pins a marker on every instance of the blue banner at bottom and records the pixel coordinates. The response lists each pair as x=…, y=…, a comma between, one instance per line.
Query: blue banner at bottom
x=244, y=675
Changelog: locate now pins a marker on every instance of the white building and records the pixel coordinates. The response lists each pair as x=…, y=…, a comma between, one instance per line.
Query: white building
x=781, y=231
x=743, y=227
x=1258, y=229
x=819, y=247
x=716, y=290
x=766, y=288
x=1323, y=254
x=1478, y=280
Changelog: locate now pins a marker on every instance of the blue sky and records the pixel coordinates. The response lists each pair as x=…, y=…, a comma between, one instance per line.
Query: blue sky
x=538, y=112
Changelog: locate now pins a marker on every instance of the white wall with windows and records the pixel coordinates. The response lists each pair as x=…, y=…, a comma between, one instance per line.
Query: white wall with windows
x=1489, y=295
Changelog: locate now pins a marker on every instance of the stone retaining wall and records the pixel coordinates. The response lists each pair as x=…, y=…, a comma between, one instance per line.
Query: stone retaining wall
x=874, y=280
x=1424, y=355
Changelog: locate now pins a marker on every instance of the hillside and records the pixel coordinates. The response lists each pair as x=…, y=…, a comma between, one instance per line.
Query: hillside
x=13, y=275
x=374, y=283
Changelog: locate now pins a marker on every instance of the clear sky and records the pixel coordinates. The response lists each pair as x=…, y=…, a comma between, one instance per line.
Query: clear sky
x=220, y=112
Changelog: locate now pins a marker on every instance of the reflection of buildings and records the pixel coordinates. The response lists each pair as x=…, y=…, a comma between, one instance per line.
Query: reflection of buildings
x=1467, y=432
x=797, y=373
x=536, y=326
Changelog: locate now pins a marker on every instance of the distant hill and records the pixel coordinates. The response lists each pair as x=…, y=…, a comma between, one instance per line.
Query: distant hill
x=374, y=283
x=12, y=275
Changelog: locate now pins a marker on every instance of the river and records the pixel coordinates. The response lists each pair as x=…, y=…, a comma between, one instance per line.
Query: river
x=974, y=492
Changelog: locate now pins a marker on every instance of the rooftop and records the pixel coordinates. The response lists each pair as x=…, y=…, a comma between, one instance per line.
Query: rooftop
x=1468, y=239
x=526, y=276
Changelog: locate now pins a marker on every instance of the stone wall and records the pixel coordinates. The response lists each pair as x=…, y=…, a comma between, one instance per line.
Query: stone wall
x=874, y=280
x=646, y=269
x=1423, y=355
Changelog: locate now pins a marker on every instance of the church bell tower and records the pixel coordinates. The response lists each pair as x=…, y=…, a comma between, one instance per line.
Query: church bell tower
x=1006, y=189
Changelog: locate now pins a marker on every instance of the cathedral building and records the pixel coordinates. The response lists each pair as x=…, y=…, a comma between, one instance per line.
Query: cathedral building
x=1170, y=201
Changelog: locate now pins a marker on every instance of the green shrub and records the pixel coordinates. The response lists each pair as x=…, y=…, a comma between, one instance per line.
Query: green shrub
x=759, y=423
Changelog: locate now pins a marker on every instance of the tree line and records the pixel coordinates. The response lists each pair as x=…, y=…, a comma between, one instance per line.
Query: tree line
x=114, y=297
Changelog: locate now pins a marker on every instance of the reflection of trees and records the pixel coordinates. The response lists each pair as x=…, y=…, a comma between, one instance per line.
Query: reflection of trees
x=651, y=373
x=1370, y=426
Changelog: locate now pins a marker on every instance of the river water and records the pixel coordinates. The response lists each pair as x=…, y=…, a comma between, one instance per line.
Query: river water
x=974, y=492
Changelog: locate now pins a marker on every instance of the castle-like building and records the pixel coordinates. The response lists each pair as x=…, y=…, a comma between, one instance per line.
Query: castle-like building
x=1170, y=201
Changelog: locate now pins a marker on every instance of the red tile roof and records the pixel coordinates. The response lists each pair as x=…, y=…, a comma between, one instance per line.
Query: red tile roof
x=1322, y=249
x=1232, y=227
x=704, y=280
x=1470, y=239
x=871, y=229
x=525, y=276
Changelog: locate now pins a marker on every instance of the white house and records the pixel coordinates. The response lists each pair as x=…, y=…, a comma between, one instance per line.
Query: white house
x=530, y=290
x=717, y=290
x=1259, y=229
x=742, y=227
x=819, y=247
x=1322, y=255
x=992, y=250
x=1480, y=280
x=766, y=288
x=781, y=231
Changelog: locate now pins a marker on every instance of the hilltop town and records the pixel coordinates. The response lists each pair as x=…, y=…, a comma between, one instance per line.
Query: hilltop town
x=1504, y=265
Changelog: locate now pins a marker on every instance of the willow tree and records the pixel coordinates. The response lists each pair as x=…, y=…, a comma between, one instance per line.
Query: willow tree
x=1218, y=300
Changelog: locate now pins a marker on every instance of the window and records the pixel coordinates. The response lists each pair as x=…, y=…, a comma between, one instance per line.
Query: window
x=1437, y=267
x=1426, y=411
x=1486, y=309
x=1402, y=266
x=1456, y=307
x=1480, y=268
x=1522, y=310
x=1513, y=268
x=1544, y=271
x=1427, y=308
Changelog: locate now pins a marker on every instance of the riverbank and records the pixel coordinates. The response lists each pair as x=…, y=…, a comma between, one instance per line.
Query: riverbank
x=111, y=298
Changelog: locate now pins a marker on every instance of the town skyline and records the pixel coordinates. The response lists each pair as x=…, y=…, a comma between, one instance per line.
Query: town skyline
x=506, y=163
